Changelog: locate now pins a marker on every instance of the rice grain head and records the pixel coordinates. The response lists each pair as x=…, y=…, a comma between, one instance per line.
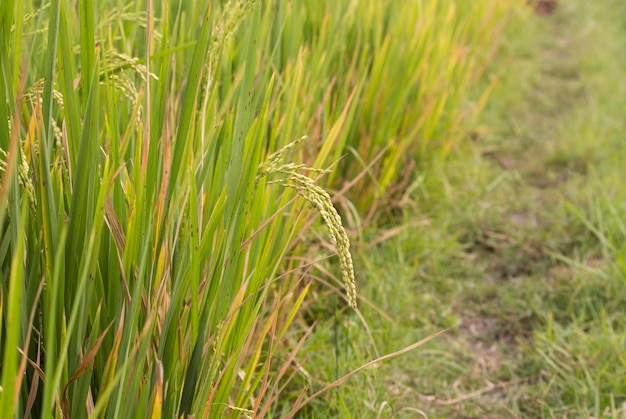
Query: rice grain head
x=288, y=176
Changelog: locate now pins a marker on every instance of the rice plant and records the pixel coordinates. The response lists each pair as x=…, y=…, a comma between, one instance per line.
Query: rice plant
x=150, y=188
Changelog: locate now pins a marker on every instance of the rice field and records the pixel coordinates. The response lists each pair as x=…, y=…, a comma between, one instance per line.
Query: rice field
x=184, y=184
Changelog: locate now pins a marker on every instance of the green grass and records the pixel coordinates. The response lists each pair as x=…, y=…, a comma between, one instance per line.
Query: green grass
x=154, y=250
x=515, y=245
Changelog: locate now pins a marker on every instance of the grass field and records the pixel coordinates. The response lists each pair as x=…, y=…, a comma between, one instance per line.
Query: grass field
x=178, y=179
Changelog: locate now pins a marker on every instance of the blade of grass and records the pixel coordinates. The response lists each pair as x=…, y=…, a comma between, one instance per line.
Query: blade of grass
x=8, y=399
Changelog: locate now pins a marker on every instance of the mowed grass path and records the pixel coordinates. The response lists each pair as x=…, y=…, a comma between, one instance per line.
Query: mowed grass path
x=517, y=247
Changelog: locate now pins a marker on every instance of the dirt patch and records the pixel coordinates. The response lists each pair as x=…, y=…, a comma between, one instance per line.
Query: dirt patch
x=510, y=256
x=544, y=7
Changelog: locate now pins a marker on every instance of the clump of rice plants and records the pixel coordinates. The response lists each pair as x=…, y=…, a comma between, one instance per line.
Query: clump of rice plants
x=384, y=85
x=142, y=249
